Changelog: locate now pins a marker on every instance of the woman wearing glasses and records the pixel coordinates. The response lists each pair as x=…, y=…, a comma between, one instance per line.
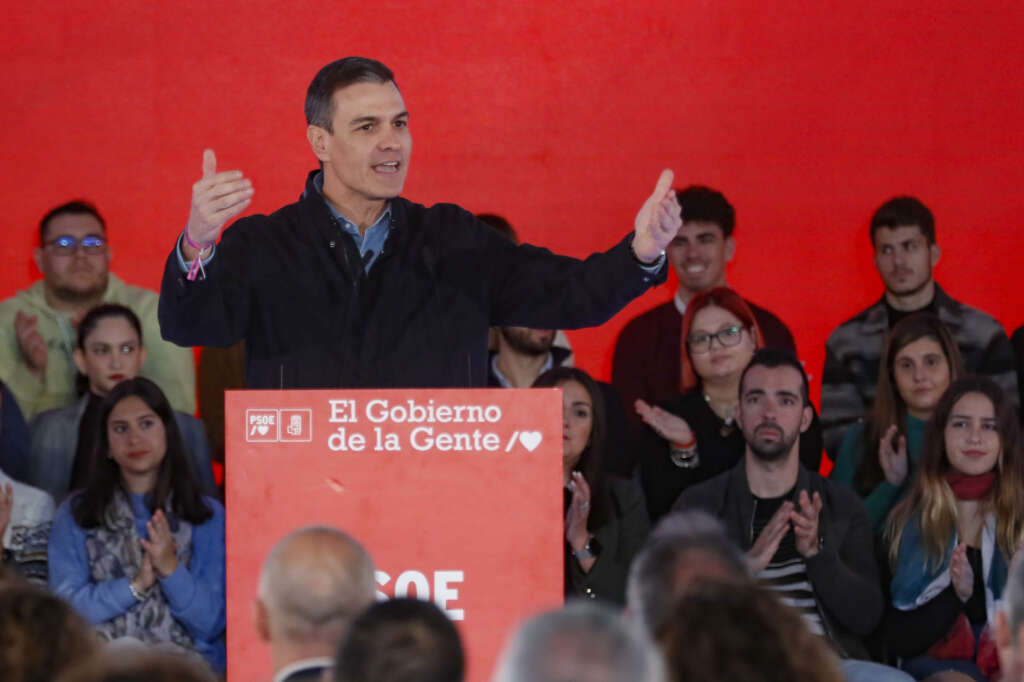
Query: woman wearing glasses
x=693, y=437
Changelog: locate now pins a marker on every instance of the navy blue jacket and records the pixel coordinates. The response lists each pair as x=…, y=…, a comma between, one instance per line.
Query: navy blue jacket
x=293, y=286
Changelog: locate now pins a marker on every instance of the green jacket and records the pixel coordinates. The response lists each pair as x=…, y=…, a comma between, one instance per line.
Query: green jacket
x=170, y=366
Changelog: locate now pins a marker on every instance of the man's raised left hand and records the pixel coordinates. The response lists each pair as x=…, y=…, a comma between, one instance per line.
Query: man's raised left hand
x=658, y=220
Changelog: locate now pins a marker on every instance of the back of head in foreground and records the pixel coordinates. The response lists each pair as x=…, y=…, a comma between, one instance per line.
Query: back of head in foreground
x=742, y=633
x=684, y=549
x=314, y=582
x=401, y=640
x=40, y=635
x=584, y=642
x=145, y=665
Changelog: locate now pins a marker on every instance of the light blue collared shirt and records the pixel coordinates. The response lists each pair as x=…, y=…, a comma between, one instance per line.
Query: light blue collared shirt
x=372, y=241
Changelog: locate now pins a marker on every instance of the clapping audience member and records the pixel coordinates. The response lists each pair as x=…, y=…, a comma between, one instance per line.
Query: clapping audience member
x=903, y=236
x=139, y=551
x=314, y=582
x=1009, y=632
x=400, y=640
x=14, y=439
x=742, y=633
x=646, y=364
x=805, y=537
x=605, y=517
x=584, y=642
x=25, y=517
x=953, y=535
x=684, y=549
x=40, y=635
x=1017, y=341
x=693, y=436
x=109, y=350
x=37, y=326
x=878, y=457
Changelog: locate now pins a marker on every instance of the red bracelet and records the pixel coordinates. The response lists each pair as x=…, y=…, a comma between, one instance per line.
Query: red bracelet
x=687, y=445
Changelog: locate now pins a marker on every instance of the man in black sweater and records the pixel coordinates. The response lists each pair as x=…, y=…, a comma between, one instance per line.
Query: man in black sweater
x=806, y=538
x=355, y=286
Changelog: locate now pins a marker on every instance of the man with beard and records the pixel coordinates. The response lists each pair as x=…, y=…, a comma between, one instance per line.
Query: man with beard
x=38, y=325
x=523, y=355
x=805, y=537
x=647, y=359
x=903, y=235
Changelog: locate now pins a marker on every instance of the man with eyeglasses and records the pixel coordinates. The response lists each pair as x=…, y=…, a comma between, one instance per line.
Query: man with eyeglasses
x=38, y=326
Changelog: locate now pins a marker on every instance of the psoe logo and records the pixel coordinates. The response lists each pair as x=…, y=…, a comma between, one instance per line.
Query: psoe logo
x=261, y=426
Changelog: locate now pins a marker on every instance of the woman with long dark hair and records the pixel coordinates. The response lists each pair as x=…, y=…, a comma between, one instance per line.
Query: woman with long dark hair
x=605, y=518
x=693, y=437
x=109, y=350
x=920, y=360
x=953, y=535
x=139, y=551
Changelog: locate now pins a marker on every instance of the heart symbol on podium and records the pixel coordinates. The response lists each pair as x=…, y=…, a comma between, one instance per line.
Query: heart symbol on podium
x=530, y=439
x=263, y=429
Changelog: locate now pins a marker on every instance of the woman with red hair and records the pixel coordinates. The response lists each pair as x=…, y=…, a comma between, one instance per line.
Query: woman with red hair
x=693, y=437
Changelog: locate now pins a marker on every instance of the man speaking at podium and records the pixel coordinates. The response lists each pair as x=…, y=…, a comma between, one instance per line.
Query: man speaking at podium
x=353, y=286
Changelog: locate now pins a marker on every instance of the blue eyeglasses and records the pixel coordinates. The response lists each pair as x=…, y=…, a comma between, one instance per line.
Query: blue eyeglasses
x=66, y=245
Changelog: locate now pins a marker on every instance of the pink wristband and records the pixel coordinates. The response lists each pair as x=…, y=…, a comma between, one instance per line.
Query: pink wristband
x=197, y=264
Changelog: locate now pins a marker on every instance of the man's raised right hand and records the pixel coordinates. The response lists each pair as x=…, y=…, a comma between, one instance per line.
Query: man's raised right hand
x=216, y=199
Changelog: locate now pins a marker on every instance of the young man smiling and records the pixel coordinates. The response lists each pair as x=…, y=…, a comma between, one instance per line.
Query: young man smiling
x=903, y=235
x=647, y=361
x=355, y=286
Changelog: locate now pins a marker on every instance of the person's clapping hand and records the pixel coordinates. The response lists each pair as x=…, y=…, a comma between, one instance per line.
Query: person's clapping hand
x=576, y=533
x=161, y=548
x=892, y=455
x=671, y=427
x=767, y=543
x=6, y=506
x=961, y=574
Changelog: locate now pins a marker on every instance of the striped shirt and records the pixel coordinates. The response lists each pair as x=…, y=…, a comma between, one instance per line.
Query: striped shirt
x=786, y=573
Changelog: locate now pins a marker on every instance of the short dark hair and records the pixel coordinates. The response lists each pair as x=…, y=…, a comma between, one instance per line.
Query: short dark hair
x=500, y=224
x=335, y=76
x=707, y=205
x=772, y=358
x=102, y=312
x=901, y=212
x=75, y=207
x=401, y=640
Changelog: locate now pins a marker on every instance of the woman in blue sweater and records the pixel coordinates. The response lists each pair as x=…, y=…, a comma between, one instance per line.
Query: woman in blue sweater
x=878, y=456
x=139, y=552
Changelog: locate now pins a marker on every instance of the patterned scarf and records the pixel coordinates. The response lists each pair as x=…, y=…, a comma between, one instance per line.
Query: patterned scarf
x=115, y=552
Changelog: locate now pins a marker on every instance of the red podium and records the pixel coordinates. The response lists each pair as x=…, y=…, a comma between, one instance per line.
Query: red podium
x=455, y=493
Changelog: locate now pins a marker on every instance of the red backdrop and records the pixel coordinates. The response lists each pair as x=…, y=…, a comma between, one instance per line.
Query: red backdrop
x=558, y=115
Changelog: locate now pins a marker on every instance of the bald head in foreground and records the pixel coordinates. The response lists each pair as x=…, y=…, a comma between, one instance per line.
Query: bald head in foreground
x=314, y=583
x=584, y=642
